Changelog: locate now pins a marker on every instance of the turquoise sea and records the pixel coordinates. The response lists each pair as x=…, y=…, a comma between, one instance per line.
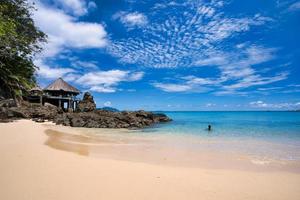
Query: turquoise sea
x=264, y=139
x=274, y=135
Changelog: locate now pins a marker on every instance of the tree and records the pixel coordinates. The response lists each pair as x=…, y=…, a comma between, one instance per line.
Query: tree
x=20, y=40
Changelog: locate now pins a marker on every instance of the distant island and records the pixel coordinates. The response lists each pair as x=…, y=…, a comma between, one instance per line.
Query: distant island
x=107, y=108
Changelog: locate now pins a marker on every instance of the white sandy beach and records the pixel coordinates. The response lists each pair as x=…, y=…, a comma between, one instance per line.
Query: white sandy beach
x=33, y=170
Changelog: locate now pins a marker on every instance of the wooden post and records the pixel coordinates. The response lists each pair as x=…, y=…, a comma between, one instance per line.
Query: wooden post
x=41, y=100
x=69, y=105
x=59, y=103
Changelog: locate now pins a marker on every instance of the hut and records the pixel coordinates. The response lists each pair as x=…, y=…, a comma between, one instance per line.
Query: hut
x=61, y=94
x=58, y=93
x=35, y=95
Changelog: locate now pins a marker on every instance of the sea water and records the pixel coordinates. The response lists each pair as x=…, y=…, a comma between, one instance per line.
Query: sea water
x=272, y=135
x=238, y=140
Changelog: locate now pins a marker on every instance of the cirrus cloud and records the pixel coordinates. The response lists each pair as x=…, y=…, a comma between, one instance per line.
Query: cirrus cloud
x=171, y=41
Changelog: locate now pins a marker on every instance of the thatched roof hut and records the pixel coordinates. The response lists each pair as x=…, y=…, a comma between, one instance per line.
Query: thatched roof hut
x=61, y=86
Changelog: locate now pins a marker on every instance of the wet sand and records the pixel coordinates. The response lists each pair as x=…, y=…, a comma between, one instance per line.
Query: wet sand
x=42, y=161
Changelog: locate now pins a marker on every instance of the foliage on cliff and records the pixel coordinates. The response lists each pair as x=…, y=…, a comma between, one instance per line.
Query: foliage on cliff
x=20, y=39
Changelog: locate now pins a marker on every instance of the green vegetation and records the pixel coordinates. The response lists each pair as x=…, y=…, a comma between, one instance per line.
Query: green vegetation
x=20, y=39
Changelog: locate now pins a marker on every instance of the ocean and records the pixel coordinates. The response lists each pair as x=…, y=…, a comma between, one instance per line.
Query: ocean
x=270, y=140
x=269, y=135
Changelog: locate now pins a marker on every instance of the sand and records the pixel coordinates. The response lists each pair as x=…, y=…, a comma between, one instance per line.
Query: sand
x=32, y=169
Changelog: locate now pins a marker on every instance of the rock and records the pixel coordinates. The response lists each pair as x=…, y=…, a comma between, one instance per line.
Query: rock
x=11, y=113
x=8, y=103
x=87, y=104
x=16, y=113
x=108, y=119
x=36, y=112
x=43, y=112
x=77, y=122
x=89, y=117
x=160, y=117
x=49, y=105
x=62, y=119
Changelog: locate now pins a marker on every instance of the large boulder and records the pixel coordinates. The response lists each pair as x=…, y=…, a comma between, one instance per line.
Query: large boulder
x=87, y=104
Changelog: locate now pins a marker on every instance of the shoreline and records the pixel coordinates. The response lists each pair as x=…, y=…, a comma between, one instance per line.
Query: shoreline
x=169, y=150
x=206, y=151
x=31, y=169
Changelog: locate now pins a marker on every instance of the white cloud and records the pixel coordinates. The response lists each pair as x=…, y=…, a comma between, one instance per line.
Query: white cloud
x=295, y=6
x=210, y=105
x=85, y=64
x=171, y=41
x=92, y=5
x=65, y=31
x=76, y=7
x=254, y=80
x=237, y=66
x=259, y=104
x=110, y=77
x=187, y=84
x=103, y=89
x=243, y=56
x=172, y=87
x=71, y=77
x=236, y=70
x=131, y=19
x=193, y=80
x=136, y=76
x=194, y=38
x=107, y=103
x=284, y=106
x=215, y=60
x=47, y=72
x=106, y=81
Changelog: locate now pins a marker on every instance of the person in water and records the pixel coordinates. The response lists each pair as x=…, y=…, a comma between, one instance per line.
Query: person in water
x=209, y=127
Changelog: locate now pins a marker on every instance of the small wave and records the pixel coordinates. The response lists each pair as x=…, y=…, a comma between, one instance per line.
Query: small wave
x=260, y=162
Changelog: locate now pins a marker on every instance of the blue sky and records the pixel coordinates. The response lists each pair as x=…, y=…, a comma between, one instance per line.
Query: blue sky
x=174, y=55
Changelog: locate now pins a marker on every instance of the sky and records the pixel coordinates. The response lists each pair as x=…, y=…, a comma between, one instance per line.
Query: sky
x=180, y=55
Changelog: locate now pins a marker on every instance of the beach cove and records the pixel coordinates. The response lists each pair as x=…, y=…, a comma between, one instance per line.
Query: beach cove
x=37, y=163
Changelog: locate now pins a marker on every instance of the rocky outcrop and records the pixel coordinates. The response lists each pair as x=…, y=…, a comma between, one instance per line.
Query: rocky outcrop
x=86, y=115
x=8, y=103
x=108, y=119
x=47, y=112
x=87, y=104
x=94, y=119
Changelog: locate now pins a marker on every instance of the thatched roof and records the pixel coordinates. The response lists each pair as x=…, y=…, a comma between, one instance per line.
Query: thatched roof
x=36, y=88
x=61, y=85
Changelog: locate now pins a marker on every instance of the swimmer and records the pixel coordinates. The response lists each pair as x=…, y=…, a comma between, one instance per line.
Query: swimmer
x=209, y=127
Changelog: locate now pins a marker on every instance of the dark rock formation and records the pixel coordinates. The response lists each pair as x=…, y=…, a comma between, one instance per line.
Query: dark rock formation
x=86, y=115
x=108, y=119
x=87, y=104
x=47, y=112
x=8, y=103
